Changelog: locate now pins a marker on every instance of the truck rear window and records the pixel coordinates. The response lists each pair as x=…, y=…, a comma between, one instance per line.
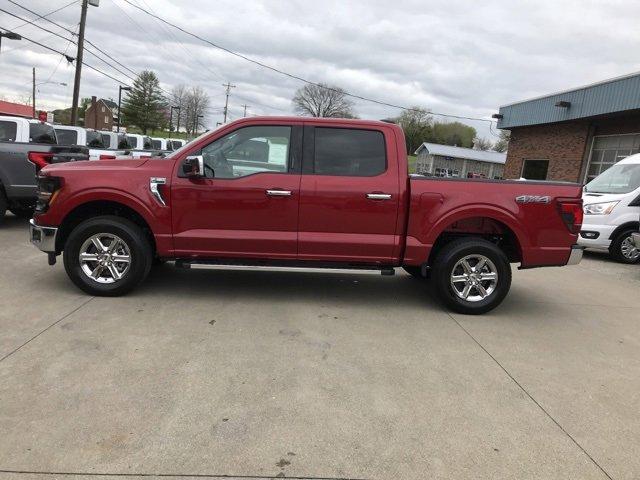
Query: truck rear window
x=349, y=152
x=42, y=133
x=94, y=140
x=66, y=137
x=156, y=144
x=106, y=140
x=8, y=131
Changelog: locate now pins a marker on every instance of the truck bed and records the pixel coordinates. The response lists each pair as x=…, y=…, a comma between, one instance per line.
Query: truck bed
x=524, y=211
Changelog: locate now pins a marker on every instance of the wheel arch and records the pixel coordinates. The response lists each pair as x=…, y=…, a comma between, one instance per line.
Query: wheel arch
x=89, y=209
x=625, y=226
x=487, y=222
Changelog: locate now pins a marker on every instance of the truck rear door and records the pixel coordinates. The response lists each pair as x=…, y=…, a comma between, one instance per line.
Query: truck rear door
x=349, y=194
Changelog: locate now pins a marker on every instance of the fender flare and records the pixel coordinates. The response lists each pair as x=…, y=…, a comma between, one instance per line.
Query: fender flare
x=488, y=211
x=109, y=195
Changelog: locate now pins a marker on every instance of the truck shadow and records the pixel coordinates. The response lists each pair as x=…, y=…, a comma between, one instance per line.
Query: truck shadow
x=287, y=286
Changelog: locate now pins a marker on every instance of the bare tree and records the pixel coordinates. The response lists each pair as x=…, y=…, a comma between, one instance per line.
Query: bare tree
x=179, y=100
x=196, y=103
x=503, y=142
x=482, y=144
x=323, y=101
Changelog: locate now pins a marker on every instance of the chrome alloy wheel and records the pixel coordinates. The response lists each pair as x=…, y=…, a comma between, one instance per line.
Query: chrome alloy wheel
x=105, y=258
x=474, y=278
x=628, y=249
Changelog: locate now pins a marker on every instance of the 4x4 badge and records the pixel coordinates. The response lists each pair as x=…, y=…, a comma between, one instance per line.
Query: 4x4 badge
x=533, y=199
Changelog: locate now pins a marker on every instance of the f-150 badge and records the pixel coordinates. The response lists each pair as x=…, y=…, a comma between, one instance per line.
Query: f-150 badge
x=533, y=199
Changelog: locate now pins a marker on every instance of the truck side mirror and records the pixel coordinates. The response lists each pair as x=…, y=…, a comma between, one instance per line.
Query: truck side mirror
x=193, y=167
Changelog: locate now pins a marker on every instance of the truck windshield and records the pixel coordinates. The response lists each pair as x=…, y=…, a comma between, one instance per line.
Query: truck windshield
x=42, y=133
x=617, y=179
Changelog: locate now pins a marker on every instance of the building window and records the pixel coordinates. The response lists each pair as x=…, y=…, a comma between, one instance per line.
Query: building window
x=106, y=119
x=609, y=150
x=535, y=169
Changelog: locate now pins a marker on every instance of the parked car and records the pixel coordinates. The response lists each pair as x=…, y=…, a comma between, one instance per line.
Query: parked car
x=611, y=211
x=115, y=141
x=176, y=143
x=93, y=139
x=162, y=144
x=26, y=146
x=142, y=146
x=336, y=196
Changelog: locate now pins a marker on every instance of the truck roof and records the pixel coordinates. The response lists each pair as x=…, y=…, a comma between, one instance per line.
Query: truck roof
x=336, y=121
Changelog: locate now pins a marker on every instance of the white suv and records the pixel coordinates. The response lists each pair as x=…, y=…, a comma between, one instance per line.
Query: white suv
x=611, y=210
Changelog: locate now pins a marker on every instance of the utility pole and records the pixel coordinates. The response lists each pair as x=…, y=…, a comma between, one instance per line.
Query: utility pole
x=76, y=84
x=245, y=109
x=33, y=93
x=226, y=103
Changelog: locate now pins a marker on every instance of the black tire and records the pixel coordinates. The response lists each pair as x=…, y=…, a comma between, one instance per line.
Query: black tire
x=414, y=271
x=446, y=264
x=3, y=205
x=140, y=255
x=22, y=212
x=622, y=249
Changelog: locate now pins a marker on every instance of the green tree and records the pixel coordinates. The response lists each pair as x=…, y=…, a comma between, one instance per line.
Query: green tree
x=145, y=106
x=454, y=133
x=503, y=142
x=416, y=123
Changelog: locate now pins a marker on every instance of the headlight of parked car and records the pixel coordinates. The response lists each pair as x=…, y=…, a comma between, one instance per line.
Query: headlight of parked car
x=600, y=208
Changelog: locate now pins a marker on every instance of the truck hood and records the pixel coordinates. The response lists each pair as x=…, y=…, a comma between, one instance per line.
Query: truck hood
x=95, y=165
x=589, y=198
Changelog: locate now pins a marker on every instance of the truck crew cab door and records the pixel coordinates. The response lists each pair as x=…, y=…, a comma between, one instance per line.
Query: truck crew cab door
x=246, y=205
x=349, y=195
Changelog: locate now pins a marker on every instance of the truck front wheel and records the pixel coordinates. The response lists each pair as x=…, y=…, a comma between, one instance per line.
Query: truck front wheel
x=471, y=275
x=107, y=256
x=622, y=248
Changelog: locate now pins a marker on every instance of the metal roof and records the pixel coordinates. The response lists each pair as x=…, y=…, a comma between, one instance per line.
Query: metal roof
x=461, y=152
x=610, y=96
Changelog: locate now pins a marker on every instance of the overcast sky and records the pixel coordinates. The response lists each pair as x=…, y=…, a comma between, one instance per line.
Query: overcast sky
x=455, y=57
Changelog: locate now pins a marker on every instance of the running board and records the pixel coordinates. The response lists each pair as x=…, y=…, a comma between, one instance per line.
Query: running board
x=276, y=267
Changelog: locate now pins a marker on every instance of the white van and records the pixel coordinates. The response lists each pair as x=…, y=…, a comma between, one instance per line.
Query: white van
x=611, y=210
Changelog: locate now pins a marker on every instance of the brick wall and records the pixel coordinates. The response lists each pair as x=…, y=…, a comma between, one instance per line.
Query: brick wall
x=563, y=144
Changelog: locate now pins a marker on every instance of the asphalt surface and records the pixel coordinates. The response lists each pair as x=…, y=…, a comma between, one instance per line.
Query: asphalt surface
x=258, y=374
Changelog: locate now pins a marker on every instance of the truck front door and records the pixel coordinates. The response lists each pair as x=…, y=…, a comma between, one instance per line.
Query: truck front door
x=349, y=195
x=247, y=204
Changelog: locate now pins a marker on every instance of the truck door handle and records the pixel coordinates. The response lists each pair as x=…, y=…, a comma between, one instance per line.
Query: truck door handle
x=279, y=193
x=379, y=196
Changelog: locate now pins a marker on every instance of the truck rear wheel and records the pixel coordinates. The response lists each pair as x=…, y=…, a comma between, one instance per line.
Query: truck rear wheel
x=107, y=256
x=471, y=275
x=415, y=271
x=22, y=211
x=622, y=248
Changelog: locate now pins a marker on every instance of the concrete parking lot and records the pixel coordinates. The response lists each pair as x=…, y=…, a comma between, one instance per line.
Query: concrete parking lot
x=258, y=374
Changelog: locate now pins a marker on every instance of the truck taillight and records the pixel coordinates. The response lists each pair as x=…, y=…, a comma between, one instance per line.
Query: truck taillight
x=40, y=159
x=46, y=191
x=571, y=213
x=107, y=157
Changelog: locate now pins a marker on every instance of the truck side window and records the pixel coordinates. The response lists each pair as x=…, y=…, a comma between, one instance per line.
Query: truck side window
x=349, y=152
x=94, y=140
x=247, y=151
x=42, y=133
x=66, y=137
x=8, y=131
x=106, y=140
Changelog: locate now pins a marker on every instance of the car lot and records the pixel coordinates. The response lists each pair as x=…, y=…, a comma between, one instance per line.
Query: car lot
x=316, y=375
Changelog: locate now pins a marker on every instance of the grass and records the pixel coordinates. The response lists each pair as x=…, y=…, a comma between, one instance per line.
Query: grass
x=412, y=163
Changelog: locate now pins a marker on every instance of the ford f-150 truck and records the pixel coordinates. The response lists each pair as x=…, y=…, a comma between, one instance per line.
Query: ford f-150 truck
x=301, y=192
x=26, y=145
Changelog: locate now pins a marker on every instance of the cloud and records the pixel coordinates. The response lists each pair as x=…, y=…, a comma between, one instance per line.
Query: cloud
x=460, y=57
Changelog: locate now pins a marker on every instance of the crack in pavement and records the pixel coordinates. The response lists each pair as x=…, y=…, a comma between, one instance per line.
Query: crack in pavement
x=50, y=326
x=593, y=460
x=174, y=475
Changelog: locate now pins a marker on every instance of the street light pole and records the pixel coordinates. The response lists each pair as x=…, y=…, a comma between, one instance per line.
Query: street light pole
x=34, y=93
x=120, y=89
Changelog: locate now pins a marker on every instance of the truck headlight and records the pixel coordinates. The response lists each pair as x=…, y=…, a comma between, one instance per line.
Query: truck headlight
x=600, y=208
x=47, y=188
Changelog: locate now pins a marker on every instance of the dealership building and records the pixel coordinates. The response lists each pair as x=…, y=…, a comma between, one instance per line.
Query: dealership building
x=438, y=160
x=573, y=135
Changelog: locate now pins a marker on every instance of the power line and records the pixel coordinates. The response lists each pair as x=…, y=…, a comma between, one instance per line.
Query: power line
x=294, y=76
x=46, y=14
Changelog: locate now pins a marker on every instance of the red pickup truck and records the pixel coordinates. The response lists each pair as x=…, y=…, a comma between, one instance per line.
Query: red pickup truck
x=301, y=192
